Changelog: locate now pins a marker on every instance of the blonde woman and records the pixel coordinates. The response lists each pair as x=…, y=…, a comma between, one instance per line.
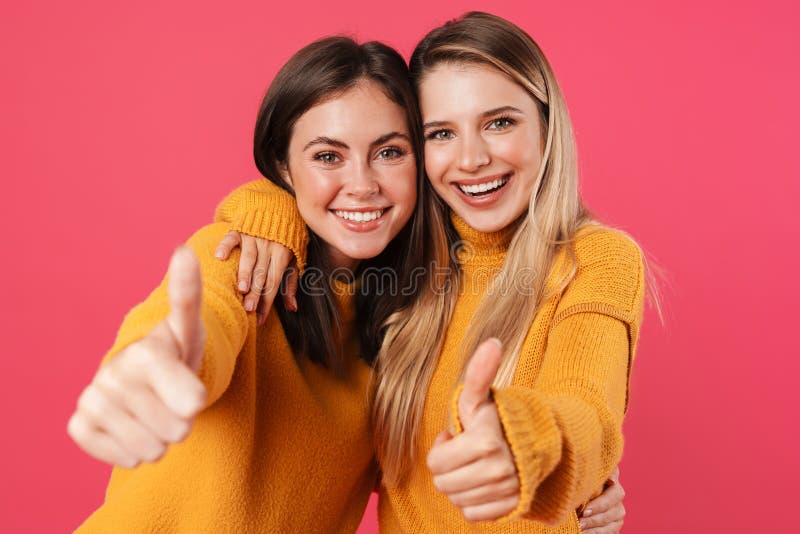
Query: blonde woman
x=534, y=429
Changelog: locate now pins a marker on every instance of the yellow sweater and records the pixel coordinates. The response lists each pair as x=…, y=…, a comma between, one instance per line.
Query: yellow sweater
x=563, y=413
x=283, y=445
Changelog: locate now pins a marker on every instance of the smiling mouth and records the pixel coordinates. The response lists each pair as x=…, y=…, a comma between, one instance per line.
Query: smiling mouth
x=487, y=188
x=360, y=216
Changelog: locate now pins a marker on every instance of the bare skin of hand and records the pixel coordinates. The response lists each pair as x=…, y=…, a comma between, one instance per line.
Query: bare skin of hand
x=262, y=265
x=147, y=395
x=606, y=513
x=476, y=469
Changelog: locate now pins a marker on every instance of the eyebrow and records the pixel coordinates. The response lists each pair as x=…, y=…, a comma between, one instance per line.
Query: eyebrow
x=382, y=139
x=485, y=114
x=323, y=140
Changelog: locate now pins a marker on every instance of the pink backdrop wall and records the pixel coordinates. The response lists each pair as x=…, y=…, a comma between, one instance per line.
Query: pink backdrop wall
x=124, y=123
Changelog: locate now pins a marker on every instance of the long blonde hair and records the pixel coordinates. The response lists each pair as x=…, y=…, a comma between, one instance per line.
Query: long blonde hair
x=414, y=335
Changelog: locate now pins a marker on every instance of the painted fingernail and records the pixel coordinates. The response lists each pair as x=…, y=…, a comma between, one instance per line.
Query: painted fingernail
x=242, y=285
x=582, y=524
x=249, y=305
x=587, y=512
x=218, y=254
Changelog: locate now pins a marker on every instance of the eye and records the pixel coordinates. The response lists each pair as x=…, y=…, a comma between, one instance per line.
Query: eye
x=440, y=135
x=327, y=157
x=501, y=123
x=391, y=152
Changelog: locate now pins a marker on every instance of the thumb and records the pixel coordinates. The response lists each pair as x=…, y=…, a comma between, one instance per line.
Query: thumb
x=185, y=290
x=480, y=374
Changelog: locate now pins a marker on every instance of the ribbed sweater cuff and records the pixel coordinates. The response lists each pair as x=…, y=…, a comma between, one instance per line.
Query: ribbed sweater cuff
x=455, y=422
x=273, y=217
x=532, y=435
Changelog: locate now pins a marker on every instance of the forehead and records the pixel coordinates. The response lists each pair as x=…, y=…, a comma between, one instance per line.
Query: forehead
x=457, y=89
x=363, y=112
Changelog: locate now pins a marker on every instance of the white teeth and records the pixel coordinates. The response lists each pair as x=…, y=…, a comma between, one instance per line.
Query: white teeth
x=359, y=216
x=482, y=188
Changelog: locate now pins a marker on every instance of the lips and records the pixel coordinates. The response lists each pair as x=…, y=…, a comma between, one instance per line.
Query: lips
x=361, y=219
x=360, y=216
x=483, y=186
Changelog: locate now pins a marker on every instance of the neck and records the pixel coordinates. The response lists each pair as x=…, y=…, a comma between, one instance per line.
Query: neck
x=342, y=267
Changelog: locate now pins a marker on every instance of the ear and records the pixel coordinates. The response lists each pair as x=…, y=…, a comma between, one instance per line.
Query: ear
x=283, y=169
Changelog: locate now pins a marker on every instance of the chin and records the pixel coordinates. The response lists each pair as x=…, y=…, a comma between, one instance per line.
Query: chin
x=484, y=222
x=363, y=252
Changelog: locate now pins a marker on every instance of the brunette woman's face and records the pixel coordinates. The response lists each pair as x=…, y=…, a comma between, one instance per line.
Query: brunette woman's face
x=483, y=143
x=351, y=164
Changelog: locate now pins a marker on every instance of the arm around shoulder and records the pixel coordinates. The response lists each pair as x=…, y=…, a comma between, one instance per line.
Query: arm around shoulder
x=264, y=210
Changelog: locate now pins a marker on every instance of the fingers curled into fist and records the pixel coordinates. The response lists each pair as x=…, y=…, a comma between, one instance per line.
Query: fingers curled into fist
x=147, y=395
x=476, y=469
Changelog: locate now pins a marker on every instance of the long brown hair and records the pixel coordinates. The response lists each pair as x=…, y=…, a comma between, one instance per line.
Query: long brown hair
x=323, y=70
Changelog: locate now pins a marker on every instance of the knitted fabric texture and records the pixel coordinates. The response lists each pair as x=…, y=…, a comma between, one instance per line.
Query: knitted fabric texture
x=562, y=415
x=283, y=445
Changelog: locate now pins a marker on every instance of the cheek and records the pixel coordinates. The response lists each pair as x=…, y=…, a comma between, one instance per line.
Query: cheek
x=314, y=190
x=528, y=148
x=437, y=160
x=400, y=187
x=514, y=149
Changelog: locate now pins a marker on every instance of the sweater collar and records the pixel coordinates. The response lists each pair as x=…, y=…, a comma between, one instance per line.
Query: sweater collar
x=485, y=248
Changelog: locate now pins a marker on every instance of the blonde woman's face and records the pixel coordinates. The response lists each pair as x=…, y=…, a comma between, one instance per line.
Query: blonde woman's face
x=483, y=143
x=352, y=166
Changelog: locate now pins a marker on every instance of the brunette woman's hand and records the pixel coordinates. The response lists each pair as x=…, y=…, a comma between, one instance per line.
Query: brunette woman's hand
x=146, y=396
x=262, y=265
x=476, y=469
x=606, y=513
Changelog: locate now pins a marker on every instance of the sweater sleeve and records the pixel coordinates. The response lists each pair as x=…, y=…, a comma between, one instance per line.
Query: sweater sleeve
x=226, y=323
x=262, y=209
x=565, y=430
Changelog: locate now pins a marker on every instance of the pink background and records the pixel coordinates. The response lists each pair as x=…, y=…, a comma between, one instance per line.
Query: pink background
x=124, y=123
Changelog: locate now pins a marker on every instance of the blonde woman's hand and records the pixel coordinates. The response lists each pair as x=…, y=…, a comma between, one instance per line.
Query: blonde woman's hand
x=476, y=469
x=606, y=513
x=148, y=394
x=262, y=265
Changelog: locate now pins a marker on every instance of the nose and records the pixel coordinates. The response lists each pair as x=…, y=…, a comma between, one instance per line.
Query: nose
x=474, y=153
x=364, y=181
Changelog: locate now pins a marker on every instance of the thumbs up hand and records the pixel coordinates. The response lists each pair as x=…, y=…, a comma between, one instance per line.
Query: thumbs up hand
x=476, y=469
x=148, y=394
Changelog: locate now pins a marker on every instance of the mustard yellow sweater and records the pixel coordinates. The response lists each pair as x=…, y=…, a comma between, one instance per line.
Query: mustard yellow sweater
x=563, y=413
x=283, y=445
